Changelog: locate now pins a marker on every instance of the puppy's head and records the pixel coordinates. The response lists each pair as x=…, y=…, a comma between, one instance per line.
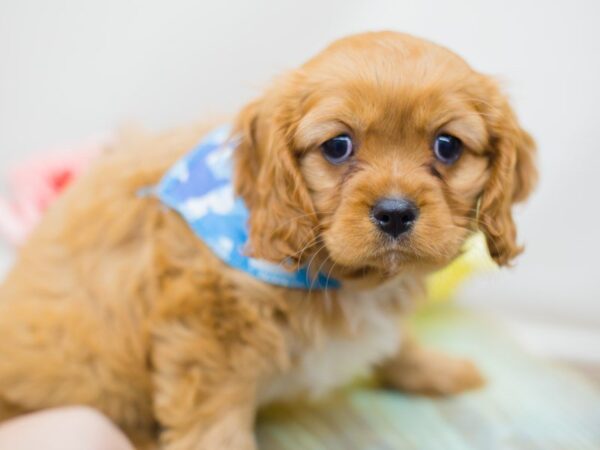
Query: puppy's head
x=381, y=154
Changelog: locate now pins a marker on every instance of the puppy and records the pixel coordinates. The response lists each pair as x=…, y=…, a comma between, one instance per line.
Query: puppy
x=353, y=176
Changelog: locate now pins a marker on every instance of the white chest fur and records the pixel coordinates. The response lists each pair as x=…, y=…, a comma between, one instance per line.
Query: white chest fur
x=334, y=360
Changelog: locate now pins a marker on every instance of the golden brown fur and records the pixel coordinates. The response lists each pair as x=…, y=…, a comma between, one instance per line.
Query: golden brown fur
x=114, y=303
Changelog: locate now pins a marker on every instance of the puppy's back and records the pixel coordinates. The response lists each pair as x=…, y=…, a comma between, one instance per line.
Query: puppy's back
x=74, y=308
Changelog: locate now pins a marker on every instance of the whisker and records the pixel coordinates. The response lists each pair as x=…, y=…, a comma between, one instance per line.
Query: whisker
x=327, y=280
x=308, y=268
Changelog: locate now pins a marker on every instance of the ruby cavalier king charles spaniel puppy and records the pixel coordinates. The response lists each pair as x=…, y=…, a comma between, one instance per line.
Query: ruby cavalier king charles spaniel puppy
x=189, y=278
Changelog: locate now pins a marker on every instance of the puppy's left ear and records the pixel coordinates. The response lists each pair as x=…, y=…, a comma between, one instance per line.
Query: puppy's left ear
x=282, y=217
x=513, y=176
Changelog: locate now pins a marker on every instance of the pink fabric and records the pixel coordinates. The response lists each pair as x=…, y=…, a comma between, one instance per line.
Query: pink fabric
x=36, y=182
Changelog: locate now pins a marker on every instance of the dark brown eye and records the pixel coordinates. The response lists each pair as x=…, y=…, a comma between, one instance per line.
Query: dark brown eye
x=447, y=148
x=338, y=149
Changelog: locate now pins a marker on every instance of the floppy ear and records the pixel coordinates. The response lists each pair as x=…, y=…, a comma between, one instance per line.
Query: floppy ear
x=513, y=176
x=282, y=218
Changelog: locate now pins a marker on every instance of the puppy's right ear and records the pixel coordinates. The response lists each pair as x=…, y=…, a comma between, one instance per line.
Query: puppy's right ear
x=282, y=217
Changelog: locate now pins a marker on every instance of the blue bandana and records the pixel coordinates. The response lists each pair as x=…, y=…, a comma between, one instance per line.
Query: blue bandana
x=199, y=187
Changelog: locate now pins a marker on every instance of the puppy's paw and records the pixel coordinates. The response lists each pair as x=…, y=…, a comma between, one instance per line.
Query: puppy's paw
x=432, y=373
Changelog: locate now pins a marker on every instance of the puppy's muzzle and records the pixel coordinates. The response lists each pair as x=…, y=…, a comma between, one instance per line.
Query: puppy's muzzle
x=395, y=216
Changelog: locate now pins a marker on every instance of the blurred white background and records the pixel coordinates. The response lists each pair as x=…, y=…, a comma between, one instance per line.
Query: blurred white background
x=71, y=69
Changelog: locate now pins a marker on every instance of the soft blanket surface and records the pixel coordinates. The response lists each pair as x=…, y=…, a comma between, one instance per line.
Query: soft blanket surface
x=527, y=404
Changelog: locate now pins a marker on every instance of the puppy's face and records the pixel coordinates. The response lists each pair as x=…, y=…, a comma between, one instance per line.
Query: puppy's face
x=382, y=154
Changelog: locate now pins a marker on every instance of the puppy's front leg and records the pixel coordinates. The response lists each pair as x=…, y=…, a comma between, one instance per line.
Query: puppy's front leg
x=199, y=403
x=223, y=420
x=420, y=370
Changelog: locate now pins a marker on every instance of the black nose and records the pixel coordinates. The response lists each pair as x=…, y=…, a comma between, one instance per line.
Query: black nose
x=395, y=216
